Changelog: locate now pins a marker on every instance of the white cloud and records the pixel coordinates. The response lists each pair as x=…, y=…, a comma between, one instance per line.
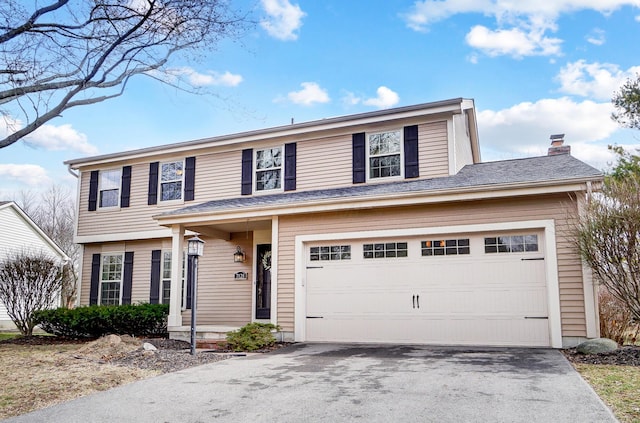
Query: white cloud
x=57, y=138
x=596, y=37
x=50, y=137
x=524, y=129
x=597, y=80
x=386, y=98
x=28, y=174
x=310, y=93
x=522, y=25
x=284, y=19
x=514, y=42
x=211, y=78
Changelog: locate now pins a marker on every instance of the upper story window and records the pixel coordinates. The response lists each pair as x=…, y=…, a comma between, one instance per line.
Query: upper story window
x=171, y=176
x=109, y=188
x=268, y=169
x=385, y=154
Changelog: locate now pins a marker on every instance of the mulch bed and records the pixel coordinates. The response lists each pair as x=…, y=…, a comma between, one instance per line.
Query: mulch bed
x=171, y=355
x=623, y=356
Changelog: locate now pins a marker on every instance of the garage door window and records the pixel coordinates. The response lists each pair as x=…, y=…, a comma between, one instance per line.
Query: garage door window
x=511, y=244
x=385, y=250
x=445, y=247
x=329, y=253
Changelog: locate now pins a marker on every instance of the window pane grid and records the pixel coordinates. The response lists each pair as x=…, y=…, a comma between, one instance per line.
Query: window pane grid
x=511, y=244
x=165, y=286
x=445, y=247
x=384, y=154
x=385, y=250
x=330, y=253
x=109, y=188
x=269, y=169
x=111, y=279
x=171, y=181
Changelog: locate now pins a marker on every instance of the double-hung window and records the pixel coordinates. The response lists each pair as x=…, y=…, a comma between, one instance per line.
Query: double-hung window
x=109, y=188
x=111, y=279
x=165, y=285
x=171, y=178
x=268, y=171
x=384, y=154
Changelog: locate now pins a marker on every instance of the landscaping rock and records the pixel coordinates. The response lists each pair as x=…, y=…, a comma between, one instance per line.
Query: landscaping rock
x=149, y=347
x=597, y=346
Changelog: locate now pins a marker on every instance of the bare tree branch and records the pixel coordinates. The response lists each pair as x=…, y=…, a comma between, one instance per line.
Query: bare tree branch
x=78, y=52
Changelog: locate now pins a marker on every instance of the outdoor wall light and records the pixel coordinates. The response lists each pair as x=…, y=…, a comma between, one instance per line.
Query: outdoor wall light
x=238, y=256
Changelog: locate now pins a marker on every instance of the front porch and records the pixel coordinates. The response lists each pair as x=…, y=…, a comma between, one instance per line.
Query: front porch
x=229, y=293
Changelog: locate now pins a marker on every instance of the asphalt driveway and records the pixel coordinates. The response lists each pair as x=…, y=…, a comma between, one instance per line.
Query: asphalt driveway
x=368, y=383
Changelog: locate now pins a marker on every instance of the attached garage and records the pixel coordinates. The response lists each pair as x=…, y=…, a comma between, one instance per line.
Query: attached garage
x=457, y=288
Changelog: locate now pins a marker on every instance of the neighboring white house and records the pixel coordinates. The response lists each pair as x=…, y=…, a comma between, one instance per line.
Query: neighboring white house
x=19, y=233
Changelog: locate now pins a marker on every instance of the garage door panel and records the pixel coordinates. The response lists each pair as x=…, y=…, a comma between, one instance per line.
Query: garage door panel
x=470, y=299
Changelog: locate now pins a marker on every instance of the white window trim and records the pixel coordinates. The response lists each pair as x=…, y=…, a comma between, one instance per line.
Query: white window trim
x=256, y=170
x=367, y=149
x=184, y=170
x=121, y=254
x=117, y=206
x=162, y=278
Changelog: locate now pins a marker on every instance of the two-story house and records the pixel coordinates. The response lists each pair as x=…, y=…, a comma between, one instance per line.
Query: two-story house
x=375, y=227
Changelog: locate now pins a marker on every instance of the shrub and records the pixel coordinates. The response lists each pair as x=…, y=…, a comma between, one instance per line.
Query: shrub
x=28, y=282
x=252, y=337
x=616, y=320
x=96, y=321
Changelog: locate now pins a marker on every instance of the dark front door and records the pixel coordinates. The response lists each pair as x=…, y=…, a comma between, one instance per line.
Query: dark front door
x=263, y=282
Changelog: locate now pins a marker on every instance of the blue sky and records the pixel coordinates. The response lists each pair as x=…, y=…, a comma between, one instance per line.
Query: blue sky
x=534, y=68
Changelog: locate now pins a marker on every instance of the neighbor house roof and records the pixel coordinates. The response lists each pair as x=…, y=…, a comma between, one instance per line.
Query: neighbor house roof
x=552, y=169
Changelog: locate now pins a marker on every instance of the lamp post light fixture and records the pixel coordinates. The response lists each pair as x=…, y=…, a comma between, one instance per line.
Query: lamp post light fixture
x=195, y=249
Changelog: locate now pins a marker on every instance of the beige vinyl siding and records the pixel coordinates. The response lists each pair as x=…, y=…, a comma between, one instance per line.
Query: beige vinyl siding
x=433, y=150
x=324, y=163
x=222, y=300
x=218, y=176
x=556, y=207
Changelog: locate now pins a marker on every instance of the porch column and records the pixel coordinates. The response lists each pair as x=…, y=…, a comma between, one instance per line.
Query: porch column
x=175, y=301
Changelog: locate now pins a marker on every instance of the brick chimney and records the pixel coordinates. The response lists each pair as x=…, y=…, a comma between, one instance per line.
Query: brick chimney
x=557, y=146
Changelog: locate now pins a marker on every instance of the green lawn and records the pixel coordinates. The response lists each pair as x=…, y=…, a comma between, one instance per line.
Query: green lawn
x=618, y=386
x=8, y=335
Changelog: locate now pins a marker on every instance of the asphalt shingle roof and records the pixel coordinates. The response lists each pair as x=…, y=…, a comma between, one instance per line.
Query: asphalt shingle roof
x=528, y=170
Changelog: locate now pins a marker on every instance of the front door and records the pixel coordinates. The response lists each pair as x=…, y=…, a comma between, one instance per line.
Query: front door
x=263, y=281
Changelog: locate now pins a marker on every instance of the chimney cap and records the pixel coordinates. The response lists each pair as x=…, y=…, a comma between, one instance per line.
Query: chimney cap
x=557, y=137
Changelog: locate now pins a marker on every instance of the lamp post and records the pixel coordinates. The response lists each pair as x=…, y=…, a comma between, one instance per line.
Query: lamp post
x=195, y=248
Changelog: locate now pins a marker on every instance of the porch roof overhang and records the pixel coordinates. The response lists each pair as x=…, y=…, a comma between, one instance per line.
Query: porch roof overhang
x=492, y=180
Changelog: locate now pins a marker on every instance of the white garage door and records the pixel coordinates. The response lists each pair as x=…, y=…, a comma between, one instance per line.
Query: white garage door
x=480, y=289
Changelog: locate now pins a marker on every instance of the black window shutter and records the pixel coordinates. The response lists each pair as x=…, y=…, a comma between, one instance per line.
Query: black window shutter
x=95, y=279
x=247, y=170
x=125, y=192
x=359, y=158
x=411, y=165
x=189, y=178
x=93, y=190
x=189, y=281
x=290, y=167
x=153, y=183
x=154, y=290
x=127, y=278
